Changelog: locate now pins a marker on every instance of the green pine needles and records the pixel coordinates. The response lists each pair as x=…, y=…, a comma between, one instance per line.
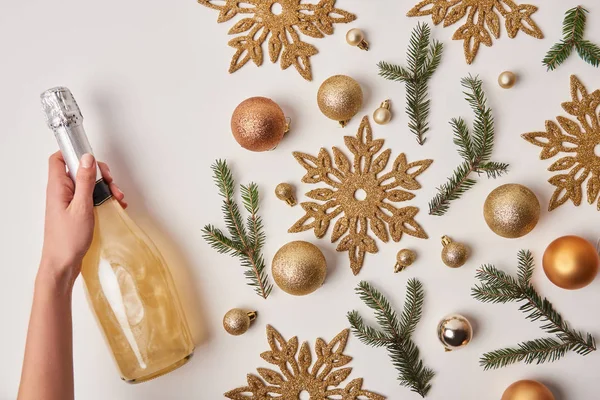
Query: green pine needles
x=395, y=333
x=573, y=29
x=475, y=149
x=423, y=59
x=498, y=287
x=246, y=240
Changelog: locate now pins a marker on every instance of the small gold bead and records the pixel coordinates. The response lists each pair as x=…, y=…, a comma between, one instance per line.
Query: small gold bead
x=236, y=321
x=507, y=79
x=285, y=192
x=355, y=37
x=454, y=254
x=383, y=115
x=404, y=259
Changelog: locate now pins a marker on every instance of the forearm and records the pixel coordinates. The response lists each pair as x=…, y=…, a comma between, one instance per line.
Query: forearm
x=48, y=364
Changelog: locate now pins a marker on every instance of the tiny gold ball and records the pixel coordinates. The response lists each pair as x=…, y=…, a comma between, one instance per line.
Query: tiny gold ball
x=507, y=79
x=299, y=268
x=406, y=257
x=382, y=116
x=237, y=321
x=454, y=254
x=511, y=210
x=455, y=332
x=354, y=37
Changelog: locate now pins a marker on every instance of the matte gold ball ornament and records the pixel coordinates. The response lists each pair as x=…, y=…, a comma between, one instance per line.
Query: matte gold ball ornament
x=383, y=115
x=237, y=321
x=454, y=254
x=340, y=98
x=258, y=124
x=455, y=332
x=299, y=268
x=511, y=210
x=571, y=262
x=404, y=259
x=507, y=79
x=356, y=37
x=527, y=390
x=285, y=192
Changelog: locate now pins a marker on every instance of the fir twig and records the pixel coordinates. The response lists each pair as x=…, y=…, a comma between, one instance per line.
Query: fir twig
x=573, y=30
x=498, y=287
x=423, y=58
x=395, y=333
x=474, y=147
x=246, y=241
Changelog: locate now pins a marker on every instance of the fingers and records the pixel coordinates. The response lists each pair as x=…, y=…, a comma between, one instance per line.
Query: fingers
x=84, y=183
x=60, y=186
x=114, y=189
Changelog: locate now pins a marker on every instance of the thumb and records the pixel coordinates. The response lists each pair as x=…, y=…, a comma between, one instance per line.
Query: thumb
x=85, y=181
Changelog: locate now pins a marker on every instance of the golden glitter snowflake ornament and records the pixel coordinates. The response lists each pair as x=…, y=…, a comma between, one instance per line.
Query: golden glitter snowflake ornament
x=282, y=29
x=348, y=181
x=321, y=379
x=579, y=141
x=483, y=20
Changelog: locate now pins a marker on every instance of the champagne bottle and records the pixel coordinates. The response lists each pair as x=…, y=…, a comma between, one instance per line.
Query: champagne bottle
x=127, y=282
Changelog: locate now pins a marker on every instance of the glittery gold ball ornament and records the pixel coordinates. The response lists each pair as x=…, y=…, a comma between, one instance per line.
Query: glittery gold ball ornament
x=404, y=259
x=340, y=98
x=511, y=210
x=356, y=37
x=527, y=390
x=299, y=268
x=571, y=262
x=285, y=192
x=236, y=321
x=455, y=332
x=383, y=115
x=454, y=254
x=507, y=79
x=258, y=124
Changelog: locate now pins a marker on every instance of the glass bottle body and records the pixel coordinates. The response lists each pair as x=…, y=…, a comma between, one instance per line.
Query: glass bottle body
x=133, y=297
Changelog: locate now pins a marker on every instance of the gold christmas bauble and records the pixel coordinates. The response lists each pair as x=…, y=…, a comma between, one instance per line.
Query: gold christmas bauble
x=340, y=98
x=455, y=332
x=404, y=259
x=511, y=210
x=258, y=124
x=507, y=79
x=356, y=37
x=527, y=390
x=454, y=254
x=299, y=268
x=571, y=262
x=236, y=321
x=383, y=115
x=285, y=192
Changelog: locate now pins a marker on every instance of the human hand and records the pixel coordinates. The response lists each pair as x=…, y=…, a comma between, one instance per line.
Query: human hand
x=69, y=224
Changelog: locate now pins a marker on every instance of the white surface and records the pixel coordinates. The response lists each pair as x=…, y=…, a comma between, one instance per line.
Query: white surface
x=151, y=78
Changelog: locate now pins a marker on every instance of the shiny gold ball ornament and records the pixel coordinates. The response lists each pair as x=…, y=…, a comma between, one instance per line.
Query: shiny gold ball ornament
x=527, y=390
x=299, y=268
x=454, y=254
x=237, y=321
x=340, y=98
x=258, y=124
x=571, y=262
x=455, y=332
x=511, y=210
x=285, y=192
x=404, y=259
x=507, y=79
x=383, y=115
x=356, y=37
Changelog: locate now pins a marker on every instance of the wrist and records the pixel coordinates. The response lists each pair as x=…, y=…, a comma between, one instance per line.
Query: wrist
x=55, y=276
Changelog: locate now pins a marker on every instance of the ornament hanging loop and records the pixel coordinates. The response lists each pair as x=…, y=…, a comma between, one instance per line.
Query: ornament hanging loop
x=446, y=240
x=252, y=315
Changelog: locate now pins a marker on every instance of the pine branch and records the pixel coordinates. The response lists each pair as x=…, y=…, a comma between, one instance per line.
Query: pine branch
x=395, y=334
x=573, y=31
x=498, y=287
x=475, y=148
x=243, y=245
x=423, y=58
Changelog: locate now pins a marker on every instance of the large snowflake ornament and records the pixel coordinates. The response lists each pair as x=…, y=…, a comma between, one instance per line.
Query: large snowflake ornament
x=483, y=20
x=578, y=141
x=282, y=29
x=346, y=182
x=298, y=373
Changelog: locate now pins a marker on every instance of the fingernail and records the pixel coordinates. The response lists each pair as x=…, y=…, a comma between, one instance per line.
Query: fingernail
x=87, y=160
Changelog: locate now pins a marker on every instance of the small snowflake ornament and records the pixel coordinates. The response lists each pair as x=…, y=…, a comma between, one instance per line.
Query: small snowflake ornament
x=347, y=181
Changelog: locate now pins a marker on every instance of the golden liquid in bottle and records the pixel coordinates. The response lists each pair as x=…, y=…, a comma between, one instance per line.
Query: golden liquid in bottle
x=134, y=299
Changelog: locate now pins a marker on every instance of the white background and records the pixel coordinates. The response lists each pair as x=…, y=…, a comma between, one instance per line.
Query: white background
x=151, y=78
